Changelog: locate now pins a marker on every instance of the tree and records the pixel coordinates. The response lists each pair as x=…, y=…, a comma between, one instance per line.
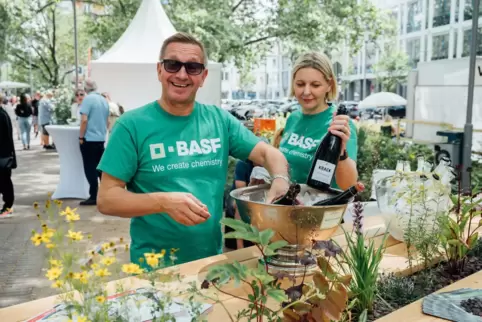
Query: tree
x=41, y=36
x=4, y=30
x=244, y=30
x=392, y=68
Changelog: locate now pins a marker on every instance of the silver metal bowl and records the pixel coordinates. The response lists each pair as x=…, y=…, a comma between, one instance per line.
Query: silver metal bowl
x=298, y=225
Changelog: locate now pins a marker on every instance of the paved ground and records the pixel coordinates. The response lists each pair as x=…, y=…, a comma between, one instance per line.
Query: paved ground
x=21, y=264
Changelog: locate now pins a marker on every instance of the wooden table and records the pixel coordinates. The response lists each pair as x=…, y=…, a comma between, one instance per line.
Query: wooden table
x=394, y=261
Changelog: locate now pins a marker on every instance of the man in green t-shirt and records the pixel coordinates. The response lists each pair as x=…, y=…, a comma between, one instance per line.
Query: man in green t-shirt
x=172, y=156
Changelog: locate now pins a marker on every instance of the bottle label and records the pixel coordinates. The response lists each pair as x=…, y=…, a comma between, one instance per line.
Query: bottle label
x=323, y=171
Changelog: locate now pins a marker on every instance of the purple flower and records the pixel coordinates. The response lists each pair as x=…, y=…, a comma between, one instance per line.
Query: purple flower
x=358, y=217
x=294, y=293
x=331, y=250
x=308, y=260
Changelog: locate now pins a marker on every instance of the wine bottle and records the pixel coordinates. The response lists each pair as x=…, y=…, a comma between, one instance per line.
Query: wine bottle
x=342, y=198
x=326, y=159
x=289, y=199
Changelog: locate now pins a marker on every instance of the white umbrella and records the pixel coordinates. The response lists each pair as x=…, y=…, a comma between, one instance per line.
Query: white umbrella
x=9, y=85
x=383, y=99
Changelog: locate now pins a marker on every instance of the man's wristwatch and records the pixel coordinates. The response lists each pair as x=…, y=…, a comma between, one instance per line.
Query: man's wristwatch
x=344, y=156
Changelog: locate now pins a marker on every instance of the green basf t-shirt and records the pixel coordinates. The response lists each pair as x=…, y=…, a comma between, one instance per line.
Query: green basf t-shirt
x=154, y=151
x=301, y=137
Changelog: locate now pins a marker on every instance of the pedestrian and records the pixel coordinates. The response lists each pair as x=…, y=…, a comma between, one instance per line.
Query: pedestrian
x=46, y=109
x=94, y=112
x=172, y=156
x=24, y=113
x=8, y=161
x=35, y=103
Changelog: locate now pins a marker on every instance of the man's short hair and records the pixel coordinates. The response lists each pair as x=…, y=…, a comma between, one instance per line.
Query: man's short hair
x=90, y=85
x=183, y=38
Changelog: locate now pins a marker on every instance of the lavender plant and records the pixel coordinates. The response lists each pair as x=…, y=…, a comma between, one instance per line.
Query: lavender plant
x=362, y=260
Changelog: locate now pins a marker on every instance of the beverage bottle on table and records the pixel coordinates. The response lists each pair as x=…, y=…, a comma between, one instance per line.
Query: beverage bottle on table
x=326, y=159
x=342, y=198
x=289, y=199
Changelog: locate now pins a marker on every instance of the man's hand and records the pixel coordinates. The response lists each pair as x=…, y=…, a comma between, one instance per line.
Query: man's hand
x=184, y=208
x=279, y=187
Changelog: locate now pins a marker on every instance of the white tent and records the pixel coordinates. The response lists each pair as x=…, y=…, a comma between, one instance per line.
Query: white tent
x=10, y=85
x=127, y=71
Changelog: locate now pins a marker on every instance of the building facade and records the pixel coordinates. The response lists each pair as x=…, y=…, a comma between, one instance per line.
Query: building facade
x=427, y=30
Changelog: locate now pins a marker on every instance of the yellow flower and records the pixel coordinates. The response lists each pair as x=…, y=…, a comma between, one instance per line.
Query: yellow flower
x=36, y=239
x=57, y=284
x=45, y=238
x=100, y=299
x=54, y=273
x=35, y=205
x=75, y=235
x=111, y=244
x=70, y=275
x=47, y=204
x=72, y=217
x=68, y=211
x=103, y=272
x=82, y=277
x=132, y=269
x=105, y=246
x=82, y=319
x=108, y=261
x=58, y=202
x=50, y=246
x=94, y=266
x=55, y=263
x=121, y=240
x=152, y=259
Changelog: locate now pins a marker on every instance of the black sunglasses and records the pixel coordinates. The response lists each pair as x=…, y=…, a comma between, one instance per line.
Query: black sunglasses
x=173, y=66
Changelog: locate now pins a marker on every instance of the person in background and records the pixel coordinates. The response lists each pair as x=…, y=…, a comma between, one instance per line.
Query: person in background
x=75, y=108
x=8, y=161
x=314, y=86
x=114, y=111
x=165, y=165
x=35, y=103
x=24, y=113
x=94, y=112
x=46, y=109
x=387, y=128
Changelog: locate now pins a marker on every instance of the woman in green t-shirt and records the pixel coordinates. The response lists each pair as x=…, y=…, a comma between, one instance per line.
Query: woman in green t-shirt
x=313, y=84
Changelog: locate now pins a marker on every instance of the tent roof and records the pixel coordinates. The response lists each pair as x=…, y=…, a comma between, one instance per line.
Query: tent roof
x=142, y=40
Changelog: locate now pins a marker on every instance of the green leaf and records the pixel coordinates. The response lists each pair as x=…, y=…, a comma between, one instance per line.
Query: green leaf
x=273, y=247
x=473, y=239
x=235, y=224
x=265, y=236
x=278, y=295
x=363, y=317
x=454, y=242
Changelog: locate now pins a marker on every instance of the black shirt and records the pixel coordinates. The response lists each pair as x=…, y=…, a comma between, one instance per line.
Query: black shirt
x=35, y=107
x=7, y=147
x=23, y=110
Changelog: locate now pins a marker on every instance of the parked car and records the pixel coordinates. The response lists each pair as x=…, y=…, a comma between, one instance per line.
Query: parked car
x=352, y=107
x=367, y=113
x=394, y=111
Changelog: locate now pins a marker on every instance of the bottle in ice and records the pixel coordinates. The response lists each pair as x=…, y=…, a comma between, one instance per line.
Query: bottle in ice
x=289, y=199
x=342, y=198
x=326, y=159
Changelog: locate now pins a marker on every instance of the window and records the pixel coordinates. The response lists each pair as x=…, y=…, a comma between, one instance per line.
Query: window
x=455, y=44
x=457, y=9
x=415, y=16
x=440, y=47
x=413, y=51
x=441, y=13
x=468, y=40
x=468, y=10
x=402, y=31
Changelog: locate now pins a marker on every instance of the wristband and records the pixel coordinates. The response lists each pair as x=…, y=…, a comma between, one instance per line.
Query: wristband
x=344, y=156
x=285, y=178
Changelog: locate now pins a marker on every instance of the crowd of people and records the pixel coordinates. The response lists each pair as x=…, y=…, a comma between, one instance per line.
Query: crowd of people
x=165, y=163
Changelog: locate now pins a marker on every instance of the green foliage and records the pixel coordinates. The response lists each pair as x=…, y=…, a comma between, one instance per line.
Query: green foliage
x=5, y=21
x=379, y=152
x=459, y=237
x=392, y=68
x=63, y=99
x=41, y=31
x=244, y=30
x=363, y=260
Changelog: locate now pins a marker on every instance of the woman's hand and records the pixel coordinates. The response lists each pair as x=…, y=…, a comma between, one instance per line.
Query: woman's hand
x=341, y=128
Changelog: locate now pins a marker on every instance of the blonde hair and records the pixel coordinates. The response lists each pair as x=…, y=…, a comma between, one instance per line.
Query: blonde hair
x=321, y=63
x=183, y=38
x=277, y=137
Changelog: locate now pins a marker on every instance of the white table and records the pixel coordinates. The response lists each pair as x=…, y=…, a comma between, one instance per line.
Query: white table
x=73, y=183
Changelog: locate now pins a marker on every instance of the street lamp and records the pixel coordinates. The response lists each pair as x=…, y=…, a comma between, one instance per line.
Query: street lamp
x=469, y=128
x=75, y=46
